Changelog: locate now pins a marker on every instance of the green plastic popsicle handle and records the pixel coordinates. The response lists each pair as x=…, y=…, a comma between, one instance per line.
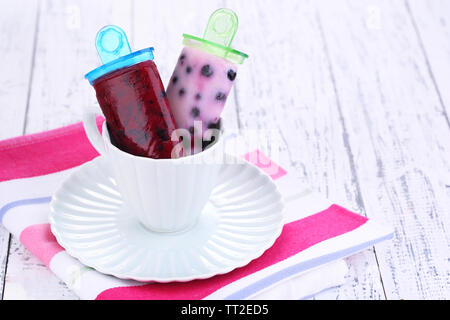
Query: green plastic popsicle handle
x=219, y=33
x=222, y=26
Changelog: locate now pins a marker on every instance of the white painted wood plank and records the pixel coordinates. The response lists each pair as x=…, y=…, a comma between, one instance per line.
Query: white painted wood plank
x=399, y=139
x=65, y=51
x=16, y=56
x=30, y=279
x=285, y=87
x=431, y=20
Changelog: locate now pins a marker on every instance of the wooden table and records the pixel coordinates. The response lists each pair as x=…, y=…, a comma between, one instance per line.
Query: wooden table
x=357, y=93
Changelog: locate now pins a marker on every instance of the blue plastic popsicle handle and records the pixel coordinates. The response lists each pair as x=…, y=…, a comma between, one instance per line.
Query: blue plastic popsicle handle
x=111, y=43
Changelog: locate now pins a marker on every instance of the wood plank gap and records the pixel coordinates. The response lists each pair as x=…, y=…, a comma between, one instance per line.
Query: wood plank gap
x=379, y=272
x=4, y=272
x=2, y=293
x=30, y=80
x=427, y=61
x=359, y=200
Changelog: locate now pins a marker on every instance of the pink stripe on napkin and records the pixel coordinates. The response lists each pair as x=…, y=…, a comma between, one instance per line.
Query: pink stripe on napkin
x=46, y=152
x=265, y=164
x=41, y=242
x=296, y=236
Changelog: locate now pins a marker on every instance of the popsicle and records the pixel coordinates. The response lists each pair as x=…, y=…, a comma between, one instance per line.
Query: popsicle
x=132, y=98
x=204, y=75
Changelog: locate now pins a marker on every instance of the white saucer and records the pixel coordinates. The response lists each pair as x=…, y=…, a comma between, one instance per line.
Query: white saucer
x=242, y=219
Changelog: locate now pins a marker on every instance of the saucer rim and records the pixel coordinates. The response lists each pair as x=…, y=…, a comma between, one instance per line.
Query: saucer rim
x=263, y=248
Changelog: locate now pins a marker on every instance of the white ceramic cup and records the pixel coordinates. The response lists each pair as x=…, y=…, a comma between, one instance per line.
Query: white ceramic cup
x=166, y=195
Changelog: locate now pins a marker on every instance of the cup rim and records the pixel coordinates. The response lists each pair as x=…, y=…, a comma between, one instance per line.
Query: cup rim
x=107, y=139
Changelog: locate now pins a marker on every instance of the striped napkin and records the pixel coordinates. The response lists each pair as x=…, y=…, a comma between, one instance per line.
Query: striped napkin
x=304, y=260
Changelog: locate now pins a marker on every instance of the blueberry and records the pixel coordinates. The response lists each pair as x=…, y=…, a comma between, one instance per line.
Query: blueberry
x=188, y=69
x=163, y=94
x=198, y=96
x=207, y=71
x=182, y=57
x=174, y=79
x=214, y=125
x=133, y=79
x=195, y=112
x=181, y=92
x=220, y=96
x=162, y=134
x=191, y=130
x=206, y=143
x=231, y=75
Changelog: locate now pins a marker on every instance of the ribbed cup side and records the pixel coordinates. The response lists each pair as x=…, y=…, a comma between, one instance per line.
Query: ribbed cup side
x=165, y=196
